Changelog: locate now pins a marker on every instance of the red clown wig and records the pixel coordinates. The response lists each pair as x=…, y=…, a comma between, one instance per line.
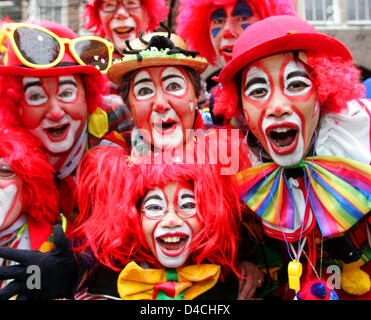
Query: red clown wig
x=29, y=162
x=331, y=67
x=111, y=187
x=193, y=20
x=11, y=95
x=11, y=75
x=156, y=9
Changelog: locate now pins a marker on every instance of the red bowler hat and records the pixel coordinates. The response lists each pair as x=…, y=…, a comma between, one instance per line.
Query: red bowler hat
x=68, y=64
x=279, y=34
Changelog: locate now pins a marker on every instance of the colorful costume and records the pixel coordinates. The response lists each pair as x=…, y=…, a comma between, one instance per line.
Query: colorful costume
x=144, y=184
x=85, y=95
x=319, y=178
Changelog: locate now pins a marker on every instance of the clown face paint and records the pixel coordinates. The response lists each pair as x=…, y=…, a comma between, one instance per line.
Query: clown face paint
x=54, y=110
x=280, y=105
x=10, y=195
x=226, y=25
x=124, y=22
x=162, y=101
x=170, y=236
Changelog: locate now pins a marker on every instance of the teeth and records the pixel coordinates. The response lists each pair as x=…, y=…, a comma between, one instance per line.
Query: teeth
x=171, y=239
x=281, y=130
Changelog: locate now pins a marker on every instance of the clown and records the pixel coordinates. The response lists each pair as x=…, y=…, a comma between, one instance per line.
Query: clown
x=213, y=26
x=160, y=82
x=299, y=93
x=28, y=194
x=163, y=227
x=55, y=98
x=121, y=20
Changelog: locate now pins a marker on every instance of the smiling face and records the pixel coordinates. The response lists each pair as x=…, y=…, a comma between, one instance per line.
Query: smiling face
x=54, y=109
x=226, y=25
x=280, y=105
x=10, y=195
x=163, y=101
x=122, y=19
x=168, y=234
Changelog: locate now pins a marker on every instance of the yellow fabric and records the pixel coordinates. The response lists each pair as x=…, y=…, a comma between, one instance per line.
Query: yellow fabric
x=355, y=281
x=98, y=123
x=136, y=283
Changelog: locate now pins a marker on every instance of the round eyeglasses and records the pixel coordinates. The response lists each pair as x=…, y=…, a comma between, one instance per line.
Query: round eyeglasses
x=157, y=212
x=111, y=6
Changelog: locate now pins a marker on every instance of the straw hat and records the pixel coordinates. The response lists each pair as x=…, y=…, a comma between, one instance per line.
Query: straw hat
x=155, y=53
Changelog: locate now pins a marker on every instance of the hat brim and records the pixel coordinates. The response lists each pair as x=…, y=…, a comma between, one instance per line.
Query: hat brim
x=119, y=69
x=314, y=42
x=55, y=71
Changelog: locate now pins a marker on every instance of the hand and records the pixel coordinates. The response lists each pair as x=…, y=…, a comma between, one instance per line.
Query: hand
x=59, y=271
x=252, y=278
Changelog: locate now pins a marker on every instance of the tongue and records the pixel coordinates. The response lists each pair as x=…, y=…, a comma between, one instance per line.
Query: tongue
x=283, y=139
x=172, y=245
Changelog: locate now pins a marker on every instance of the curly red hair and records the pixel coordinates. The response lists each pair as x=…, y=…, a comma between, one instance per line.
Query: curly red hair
x=193, y=20
x=110, y=188
x=157, y=11
x=11, y=95
x=29, y=162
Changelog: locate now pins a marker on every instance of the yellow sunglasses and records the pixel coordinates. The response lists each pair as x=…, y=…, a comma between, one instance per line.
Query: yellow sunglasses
x=39, y=48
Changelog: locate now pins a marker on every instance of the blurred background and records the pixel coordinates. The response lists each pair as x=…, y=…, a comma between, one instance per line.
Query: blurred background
x=347, y=20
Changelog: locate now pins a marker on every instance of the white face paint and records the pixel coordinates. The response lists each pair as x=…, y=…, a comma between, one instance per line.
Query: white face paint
x=173, y=258
x=57, y=143
x=297, y=152
x=169, y=235
x=8, y=202
x=163, y=104
x=281, y=107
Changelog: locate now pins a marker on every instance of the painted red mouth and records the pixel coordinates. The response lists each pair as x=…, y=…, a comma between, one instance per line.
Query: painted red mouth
x=283, y=137
x=172, y=244
x=165, y=127
x=57, y=133
x=226, y=52
x=124, y=32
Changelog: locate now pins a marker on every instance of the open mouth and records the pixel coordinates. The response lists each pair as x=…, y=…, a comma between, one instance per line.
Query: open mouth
x=283, y=138
x=57, y=133
x=124, y=31
x=172, y=244
x=165, y=127
x=226, y=51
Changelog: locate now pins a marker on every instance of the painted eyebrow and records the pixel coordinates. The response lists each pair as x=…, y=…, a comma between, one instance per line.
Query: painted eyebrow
x=154, y=197
x=297, y=74
x=63, y=82
x=142, y=80
x=172, y=76
x=255, y=80
x=218, y=13
x=31, y=84
x=187, y=195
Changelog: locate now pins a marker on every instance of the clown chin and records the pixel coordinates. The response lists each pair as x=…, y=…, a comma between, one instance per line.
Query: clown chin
x=296, y=148
x=173, y=255
x=168, y=141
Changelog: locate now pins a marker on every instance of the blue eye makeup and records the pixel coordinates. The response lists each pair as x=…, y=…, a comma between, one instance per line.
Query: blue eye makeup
x=217, y=14
x=242, y=9
x=215, y=32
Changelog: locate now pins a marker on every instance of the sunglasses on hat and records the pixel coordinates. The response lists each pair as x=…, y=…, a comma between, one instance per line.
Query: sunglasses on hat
x=39, y=48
